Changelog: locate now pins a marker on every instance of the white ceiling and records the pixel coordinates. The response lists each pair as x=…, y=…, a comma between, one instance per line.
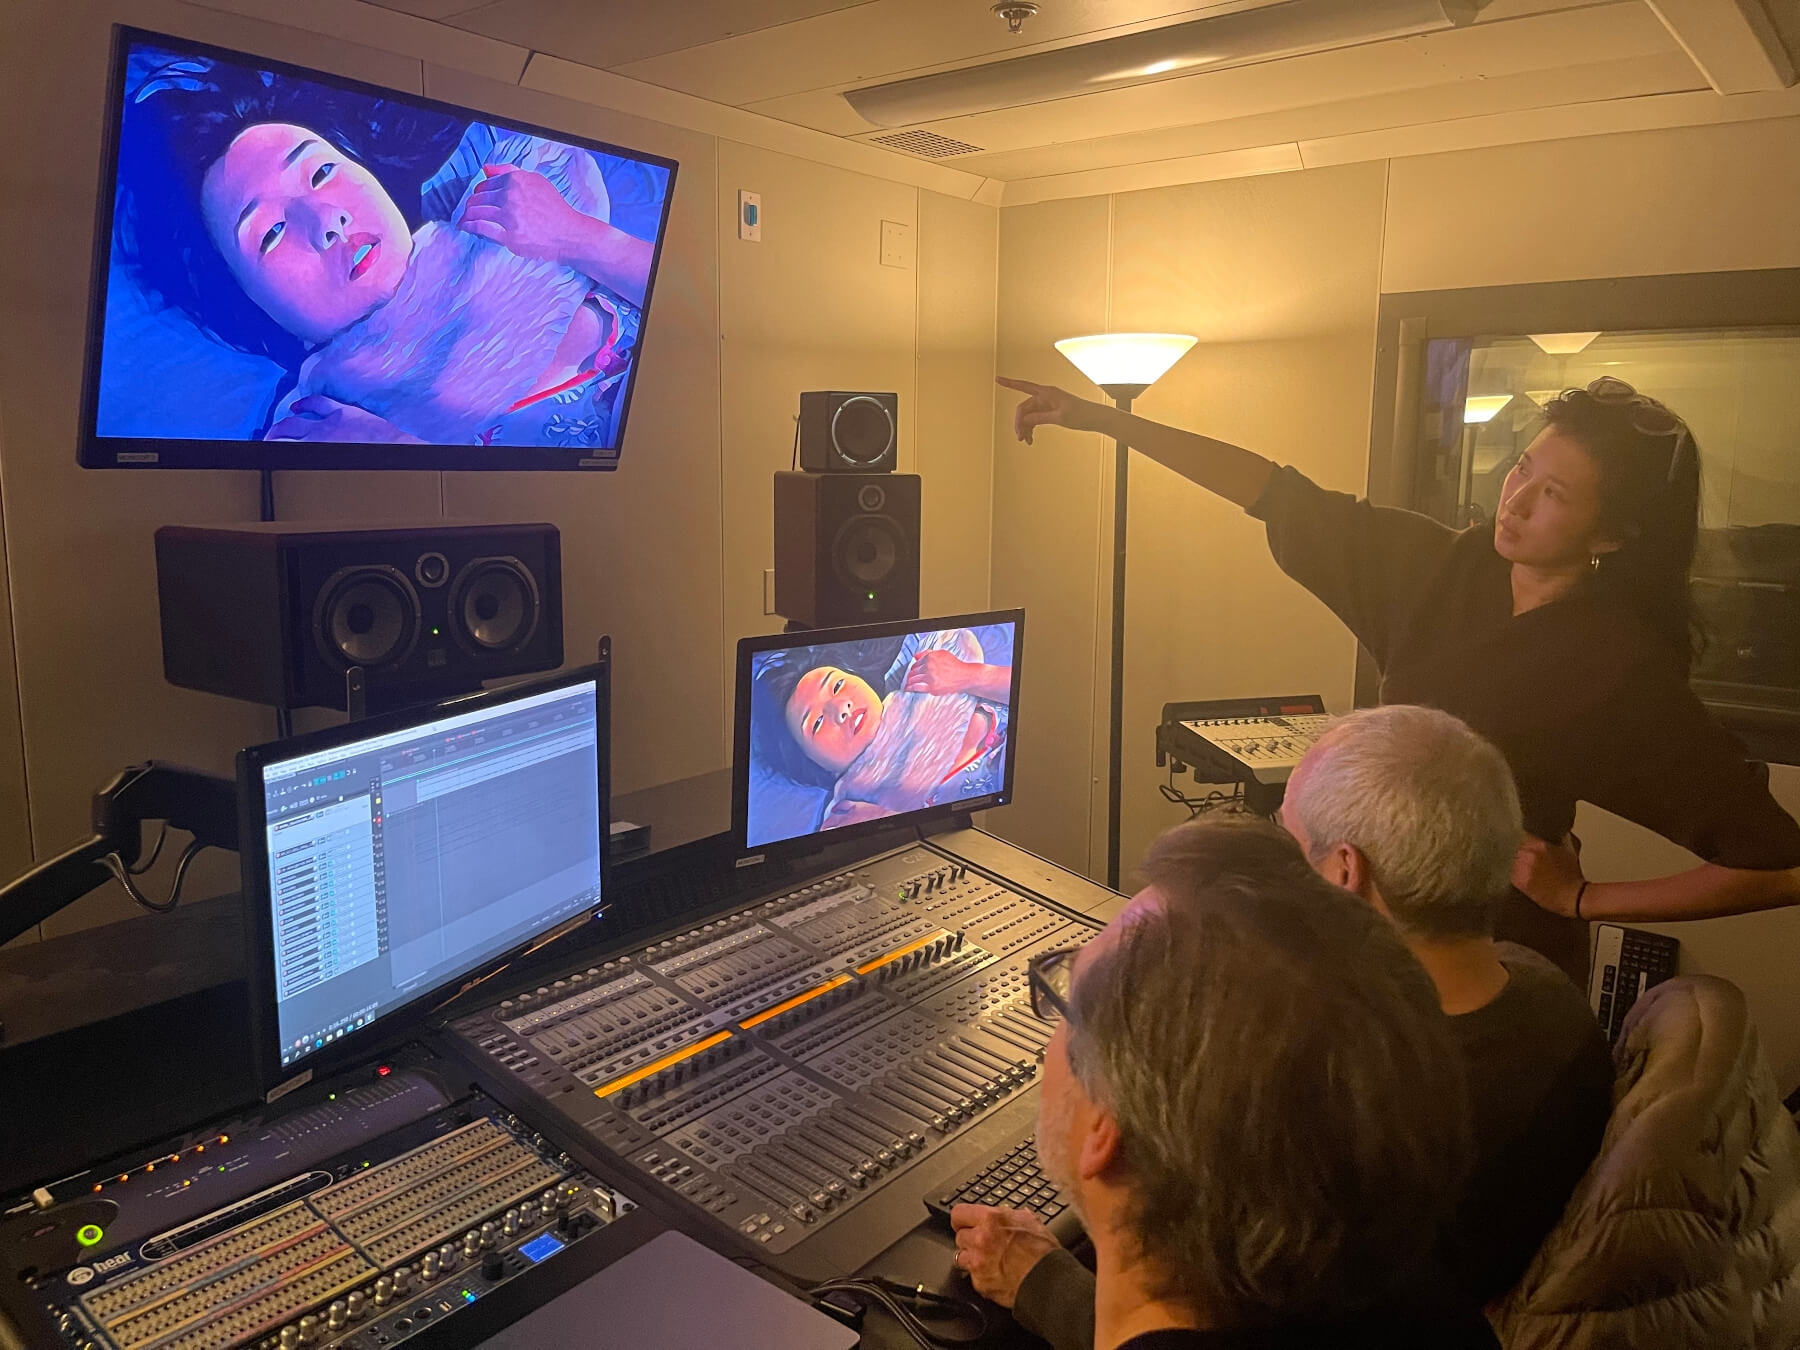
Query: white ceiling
x=1518, y=63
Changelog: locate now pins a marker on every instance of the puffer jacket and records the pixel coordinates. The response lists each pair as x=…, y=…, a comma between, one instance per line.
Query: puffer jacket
x=1685, y=1232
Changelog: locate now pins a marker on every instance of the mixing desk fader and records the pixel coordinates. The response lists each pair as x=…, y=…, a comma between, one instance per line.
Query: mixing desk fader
x=776, y=1067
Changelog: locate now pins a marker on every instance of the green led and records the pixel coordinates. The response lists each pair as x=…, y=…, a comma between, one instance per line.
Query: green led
x=436, y=631
x=89, y=1234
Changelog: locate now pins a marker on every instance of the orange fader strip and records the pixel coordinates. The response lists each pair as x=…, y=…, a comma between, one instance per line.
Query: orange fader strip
x=794, y=1002
x=608, y=1089
x=899, y=952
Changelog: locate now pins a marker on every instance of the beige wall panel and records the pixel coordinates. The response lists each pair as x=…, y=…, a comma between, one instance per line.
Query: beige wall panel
x=809, y=307
x=640, y=546
x=953, y=443
x=1753, y=951
x=1277, y=278
x=1692, y=199
x=1048, y=501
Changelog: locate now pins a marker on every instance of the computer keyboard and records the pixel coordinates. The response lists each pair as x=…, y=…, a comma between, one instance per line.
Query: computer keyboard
x=1013, y=1181
x=1627, y=961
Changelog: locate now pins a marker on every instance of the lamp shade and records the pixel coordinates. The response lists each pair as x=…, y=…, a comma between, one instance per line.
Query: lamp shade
x=1484, y=408
x=1137, y=359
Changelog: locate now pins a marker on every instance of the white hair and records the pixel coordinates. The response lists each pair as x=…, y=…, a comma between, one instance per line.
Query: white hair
x=1431, y=806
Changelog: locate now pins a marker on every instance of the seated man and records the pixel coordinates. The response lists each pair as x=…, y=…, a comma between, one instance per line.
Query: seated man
x=1255, y=1106
x=1416, y=814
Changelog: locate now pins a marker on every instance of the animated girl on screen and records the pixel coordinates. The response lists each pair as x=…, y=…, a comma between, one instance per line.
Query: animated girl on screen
x=502, y=309
x=881, y=727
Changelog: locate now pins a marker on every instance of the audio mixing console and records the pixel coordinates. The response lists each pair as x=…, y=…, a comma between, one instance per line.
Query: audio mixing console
x=359, y=1221
x=778, y=1066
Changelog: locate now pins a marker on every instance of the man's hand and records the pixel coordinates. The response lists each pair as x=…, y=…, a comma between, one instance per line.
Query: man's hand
x=1549, y=873
x=522, y=211
x=938, y=672
x=997, y=1248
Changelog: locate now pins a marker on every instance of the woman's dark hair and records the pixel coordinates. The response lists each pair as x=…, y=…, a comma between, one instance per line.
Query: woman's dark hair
x=771, y=743
x=181, y=114
x=1649, y=500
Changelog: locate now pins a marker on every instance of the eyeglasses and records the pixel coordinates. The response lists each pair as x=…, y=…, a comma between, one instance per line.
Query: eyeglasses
x=1648, y=415
x=1049, y=977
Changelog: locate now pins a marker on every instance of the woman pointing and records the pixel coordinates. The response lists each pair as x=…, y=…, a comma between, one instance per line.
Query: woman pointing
x=1562, y=634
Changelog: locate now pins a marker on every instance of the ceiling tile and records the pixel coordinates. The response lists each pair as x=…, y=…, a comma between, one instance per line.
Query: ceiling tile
x=610, y=33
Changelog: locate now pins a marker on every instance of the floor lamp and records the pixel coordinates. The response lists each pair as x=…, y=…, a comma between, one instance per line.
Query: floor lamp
x=1124, y=365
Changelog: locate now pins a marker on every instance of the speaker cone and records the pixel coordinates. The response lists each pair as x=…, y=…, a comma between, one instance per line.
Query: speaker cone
x=867, y=550
x=862, y=430
x=368, y=616
x=494, y=604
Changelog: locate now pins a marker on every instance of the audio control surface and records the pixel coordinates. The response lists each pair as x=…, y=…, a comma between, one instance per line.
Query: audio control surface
x=774, y=1068
x=357, y=1223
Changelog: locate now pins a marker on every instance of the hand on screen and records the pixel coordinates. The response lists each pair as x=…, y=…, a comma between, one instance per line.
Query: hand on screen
x=996, y=1248
x=938, y=672
x=1049, y=406
x=522, y=211
x=318, y=418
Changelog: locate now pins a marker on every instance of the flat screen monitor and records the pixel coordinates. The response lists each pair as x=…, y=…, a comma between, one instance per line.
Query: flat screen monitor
x=387, y=860
x=294, y=271
x=856, y=729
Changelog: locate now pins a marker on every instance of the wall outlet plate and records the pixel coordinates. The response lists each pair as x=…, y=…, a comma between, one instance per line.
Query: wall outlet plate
x=896, y=244
x=750, y=216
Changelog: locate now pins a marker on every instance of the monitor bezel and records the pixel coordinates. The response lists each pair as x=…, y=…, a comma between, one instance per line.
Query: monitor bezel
x=271, y=1075
x=117, y=452
x=750, y=647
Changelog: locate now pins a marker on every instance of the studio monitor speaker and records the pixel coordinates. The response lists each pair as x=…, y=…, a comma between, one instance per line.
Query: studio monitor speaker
x=849, y=432
x=846, y=547
x=279, y=614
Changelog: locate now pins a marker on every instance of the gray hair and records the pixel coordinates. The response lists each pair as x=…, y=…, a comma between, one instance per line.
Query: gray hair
x=1429, y=803
x=1291, y=1107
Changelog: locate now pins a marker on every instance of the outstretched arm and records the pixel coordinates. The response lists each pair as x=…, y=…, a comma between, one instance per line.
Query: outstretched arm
x=1234, y=473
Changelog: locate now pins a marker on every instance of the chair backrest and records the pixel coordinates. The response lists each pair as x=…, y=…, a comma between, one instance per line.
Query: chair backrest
x=1685, y=1231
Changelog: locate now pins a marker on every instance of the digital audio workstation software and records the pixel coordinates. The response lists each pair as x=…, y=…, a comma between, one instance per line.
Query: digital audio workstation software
x=399, y=862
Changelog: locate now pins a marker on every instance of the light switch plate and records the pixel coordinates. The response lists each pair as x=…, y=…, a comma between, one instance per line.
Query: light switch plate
x=750, y=216
x=896, y=244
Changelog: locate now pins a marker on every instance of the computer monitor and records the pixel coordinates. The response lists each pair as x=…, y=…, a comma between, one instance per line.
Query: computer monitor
x=851, y=730
x=386, y=860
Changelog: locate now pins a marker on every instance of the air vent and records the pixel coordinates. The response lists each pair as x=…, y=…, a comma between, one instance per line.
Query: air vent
x=926, y=143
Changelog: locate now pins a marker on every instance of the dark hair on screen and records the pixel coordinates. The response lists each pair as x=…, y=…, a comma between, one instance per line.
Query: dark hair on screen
x=1649, y=499
x=182, y=115
x=777, y=673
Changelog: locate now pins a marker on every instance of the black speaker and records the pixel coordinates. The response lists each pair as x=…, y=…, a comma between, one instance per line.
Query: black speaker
x=279, y=614
x=846, y=547
x=849, y=432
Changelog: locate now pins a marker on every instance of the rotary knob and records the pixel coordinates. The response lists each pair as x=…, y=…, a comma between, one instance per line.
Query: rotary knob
x=384, y=1291
x=493, y=1266
x=337, y=1315
x=290, y=1337
x=402, y=1279
x=510, y=1224
x=309, y=1329
x=354, y=1305
x=447, y=1256
x=428, y=1266
x=471, y=1244
x=528, y=1213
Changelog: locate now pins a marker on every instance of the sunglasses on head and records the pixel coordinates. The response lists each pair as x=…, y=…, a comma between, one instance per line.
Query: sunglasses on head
x=1648, y=416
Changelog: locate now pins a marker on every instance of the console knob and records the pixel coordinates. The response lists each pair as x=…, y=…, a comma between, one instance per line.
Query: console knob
x=510, y=1224
x=493, y=1266
x=384, y=1291
x=290, y=1337
x=447, y=1256
x=402, y=1279
x=353, y=1305
x=489, y=1234
x=428, y=1266
x=528, y=1213
x=309, y=1329
x=337, y=1315
x=471, y=1244
x=547, y=1201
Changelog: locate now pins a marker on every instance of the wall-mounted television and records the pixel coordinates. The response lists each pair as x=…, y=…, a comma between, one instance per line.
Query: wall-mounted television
x=294, y=270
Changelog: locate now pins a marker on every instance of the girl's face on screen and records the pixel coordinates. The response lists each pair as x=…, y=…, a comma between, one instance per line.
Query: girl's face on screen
x=833, y=715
